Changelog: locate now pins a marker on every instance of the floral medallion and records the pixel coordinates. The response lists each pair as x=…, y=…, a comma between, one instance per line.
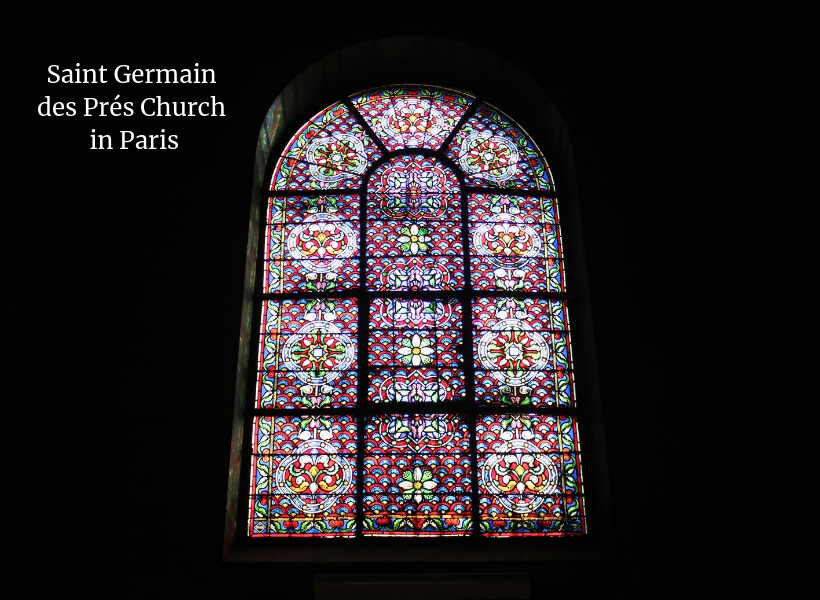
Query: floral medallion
x=519, y=476
x=332, y=158
x=513, y=352
x=507, y=241
x=488, y=156
x=413, y=186
x=321, y=242
x=414, y=239
x=416, y=350
x=417, y=485
x=314, y=476
x=411, y=120
x=318, y=352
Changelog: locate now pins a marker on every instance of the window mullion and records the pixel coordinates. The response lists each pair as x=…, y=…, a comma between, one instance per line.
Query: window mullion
x=470, y=403
x=363, y=360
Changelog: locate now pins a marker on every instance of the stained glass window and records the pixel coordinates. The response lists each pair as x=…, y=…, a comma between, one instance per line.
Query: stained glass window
x=414, y=365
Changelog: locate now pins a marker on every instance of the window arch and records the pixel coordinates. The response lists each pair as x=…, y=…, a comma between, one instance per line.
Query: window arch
x=414, y=371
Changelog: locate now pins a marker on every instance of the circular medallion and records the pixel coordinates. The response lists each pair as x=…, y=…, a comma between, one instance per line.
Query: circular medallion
x=513, y=352
x=318, y=352
x=519, y=476
x=488, y=156
x=507, y=241
x=332, y=158
x=321, y=242
x=413, y=186
x=314, y=476
x=411, y=121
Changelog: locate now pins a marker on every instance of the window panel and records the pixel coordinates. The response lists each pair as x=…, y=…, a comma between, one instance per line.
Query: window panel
x=515, y=338
x=303, y=476
x=514, y=243
x=492, y=151
x=529, y=473
x=312, y=243
x=411, y=117
x=330, y=151
x=417, y=475
x=308, y=353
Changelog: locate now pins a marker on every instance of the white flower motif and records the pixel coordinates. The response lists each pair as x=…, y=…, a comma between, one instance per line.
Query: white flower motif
x=416, y=351
x=417, y=484
x=414, y=239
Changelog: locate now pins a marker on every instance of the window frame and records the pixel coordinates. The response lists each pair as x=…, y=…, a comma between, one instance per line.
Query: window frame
x=317, y=88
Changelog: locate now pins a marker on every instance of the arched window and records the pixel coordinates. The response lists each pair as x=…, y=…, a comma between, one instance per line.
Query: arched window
x=413, y=370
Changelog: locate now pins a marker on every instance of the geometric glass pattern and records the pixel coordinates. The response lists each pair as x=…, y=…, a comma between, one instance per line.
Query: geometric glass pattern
x=414, y=366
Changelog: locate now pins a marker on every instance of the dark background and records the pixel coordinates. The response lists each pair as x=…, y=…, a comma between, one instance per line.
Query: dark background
x=125, y=273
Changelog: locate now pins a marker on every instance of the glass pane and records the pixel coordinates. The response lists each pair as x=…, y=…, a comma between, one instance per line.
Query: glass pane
x=417, y=475
x=417, y=345
x=331, y=151
x=303, y=480
x=493, y=151
x=312, y=243
x=308, y=354
x=515, y=243
x=411, y=117
x=414, y=233
x=522, y=353
x=529, y=470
